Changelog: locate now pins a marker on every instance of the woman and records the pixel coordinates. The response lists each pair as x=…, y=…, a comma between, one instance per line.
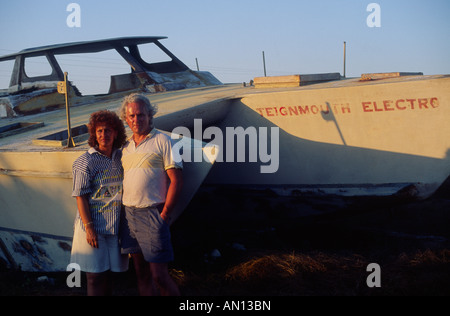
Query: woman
x=97, y=186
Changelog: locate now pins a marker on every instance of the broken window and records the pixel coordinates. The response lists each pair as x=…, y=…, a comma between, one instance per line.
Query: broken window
x=152, y=54
x=91, y=72
x=37, y=67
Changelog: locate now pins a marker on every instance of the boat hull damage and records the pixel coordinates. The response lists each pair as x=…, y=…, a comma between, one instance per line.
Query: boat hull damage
x=45, y=97
x=29, y=251
x=30, y=95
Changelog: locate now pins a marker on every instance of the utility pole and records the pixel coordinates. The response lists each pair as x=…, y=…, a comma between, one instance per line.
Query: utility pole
x=345, y=47
x=196, y=61
x=264, y=64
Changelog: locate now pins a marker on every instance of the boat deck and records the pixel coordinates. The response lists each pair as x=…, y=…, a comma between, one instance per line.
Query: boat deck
x=168, y=103
x=53, y=121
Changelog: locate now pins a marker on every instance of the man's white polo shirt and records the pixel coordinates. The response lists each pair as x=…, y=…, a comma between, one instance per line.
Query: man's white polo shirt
x=145, y=181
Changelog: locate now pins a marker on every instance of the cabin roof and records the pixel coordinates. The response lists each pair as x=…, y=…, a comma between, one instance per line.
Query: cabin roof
x=84, y=47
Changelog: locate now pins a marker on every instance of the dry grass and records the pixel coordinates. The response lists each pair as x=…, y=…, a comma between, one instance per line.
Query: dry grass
x=275, y=266
x=423, y=272
x=322, y=254
x=321, y=274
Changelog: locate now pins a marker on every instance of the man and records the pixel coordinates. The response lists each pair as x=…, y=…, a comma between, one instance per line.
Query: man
x=152, y=184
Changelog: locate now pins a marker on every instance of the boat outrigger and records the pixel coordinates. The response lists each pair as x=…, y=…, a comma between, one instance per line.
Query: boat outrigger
x=380, y=134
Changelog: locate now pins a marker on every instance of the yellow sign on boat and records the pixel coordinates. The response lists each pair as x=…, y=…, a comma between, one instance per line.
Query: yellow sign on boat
x=62, y=87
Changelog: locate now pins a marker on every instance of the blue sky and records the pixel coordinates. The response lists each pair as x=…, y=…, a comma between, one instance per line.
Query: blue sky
x=228, y=37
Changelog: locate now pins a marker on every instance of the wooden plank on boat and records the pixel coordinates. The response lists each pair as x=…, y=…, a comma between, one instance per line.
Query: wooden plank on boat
x=386, y=75
x=19, y=127
x=278, y=81
x=60, y=139
x=294, y=80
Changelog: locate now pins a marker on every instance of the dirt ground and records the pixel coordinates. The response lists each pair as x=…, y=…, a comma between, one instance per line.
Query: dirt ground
x=233, y=243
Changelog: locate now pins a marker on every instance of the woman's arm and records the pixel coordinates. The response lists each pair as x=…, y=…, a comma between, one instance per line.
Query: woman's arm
x=85, y=214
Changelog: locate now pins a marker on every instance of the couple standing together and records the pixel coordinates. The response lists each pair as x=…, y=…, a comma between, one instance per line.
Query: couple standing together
x=139, y=173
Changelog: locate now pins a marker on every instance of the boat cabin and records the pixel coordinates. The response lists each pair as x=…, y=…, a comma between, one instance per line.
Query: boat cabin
x=145, y=75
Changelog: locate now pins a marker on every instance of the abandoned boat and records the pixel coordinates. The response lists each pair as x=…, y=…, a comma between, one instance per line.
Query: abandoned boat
x=302, y=134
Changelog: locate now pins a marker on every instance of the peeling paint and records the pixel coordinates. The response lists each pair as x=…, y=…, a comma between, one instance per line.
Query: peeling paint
x=32, y=252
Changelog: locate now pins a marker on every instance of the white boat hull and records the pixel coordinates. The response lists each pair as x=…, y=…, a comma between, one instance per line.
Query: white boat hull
x=360, y=139
x=341, y=138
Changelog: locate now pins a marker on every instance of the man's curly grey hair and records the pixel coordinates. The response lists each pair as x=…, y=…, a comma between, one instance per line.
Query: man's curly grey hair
x=141, y=99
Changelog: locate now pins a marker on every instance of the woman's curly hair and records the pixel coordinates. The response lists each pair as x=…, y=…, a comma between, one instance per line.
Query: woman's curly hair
x=110, y=119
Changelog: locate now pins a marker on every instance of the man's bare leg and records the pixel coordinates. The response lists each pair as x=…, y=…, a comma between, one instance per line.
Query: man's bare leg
x=163, y=280
x=145, y=283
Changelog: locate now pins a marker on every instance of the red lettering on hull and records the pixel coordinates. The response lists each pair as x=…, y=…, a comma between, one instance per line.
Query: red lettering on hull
x=345, y=108
x=400, y=105
x=300, y=110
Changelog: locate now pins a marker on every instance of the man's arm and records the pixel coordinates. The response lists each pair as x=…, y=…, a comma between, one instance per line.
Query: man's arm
x=173, y=193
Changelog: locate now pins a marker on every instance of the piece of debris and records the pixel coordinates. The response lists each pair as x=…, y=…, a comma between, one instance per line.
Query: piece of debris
x=239, y=247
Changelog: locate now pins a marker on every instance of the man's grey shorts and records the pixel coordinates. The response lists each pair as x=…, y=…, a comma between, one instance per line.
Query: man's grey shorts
x=142, y=230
